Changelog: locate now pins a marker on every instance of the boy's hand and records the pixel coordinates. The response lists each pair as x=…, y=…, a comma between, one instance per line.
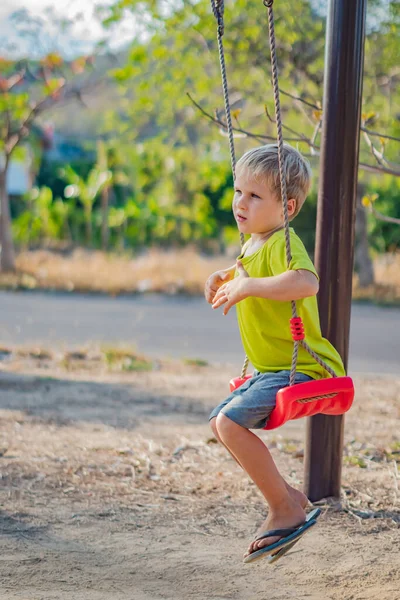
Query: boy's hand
x=233, y=292
x=213, y=284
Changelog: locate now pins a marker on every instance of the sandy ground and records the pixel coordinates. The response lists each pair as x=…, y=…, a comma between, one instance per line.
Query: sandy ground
x=112, y=488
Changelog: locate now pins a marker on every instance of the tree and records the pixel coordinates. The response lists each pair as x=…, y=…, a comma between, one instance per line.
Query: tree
x=109, y=160
x=179, y=54
x=28, y=88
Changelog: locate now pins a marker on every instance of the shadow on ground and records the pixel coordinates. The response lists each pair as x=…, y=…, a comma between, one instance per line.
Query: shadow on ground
x=122, y=405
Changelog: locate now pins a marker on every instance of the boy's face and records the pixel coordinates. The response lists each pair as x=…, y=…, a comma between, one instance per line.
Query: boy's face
x=255, y=208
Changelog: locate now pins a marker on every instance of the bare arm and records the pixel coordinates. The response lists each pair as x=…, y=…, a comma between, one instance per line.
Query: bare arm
x=291, y=285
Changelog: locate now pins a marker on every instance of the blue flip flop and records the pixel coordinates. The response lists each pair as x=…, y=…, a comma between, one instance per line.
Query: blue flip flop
x=272, y=558
x=290, y=537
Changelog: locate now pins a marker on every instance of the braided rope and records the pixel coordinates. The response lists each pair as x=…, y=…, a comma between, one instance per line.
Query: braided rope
x=278, y=117
x=282, y=175
x=317, y=358
x=315, y=398
x=244, y=368
x=218, y=11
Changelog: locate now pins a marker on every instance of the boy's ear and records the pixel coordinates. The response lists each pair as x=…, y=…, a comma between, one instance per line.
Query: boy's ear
x=292, y=203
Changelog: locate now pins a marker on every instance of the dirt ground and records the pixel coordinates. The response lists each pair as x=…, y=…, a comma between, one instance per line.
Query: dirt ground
x=113, y=488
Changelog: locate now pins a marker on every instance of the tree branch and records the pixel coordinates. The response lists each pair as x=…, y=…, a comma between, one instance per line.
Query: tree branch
x=379, y=170
x=216, y=121
x=271, y=120
x=382, y=217
x=298, y=98
x=62, y=94
x=381, y=135
x=15, y=79
x=363, y=128
x=301, y=138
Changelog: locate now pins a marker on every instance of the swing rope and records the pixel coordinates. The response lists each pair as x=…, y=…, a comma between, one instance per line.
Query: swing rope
x=218, y=10
x=296, y=321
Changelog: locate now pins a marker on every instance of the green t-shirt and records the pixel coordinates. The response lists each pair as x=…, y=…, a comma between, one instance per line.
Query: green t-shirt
x=264, y=324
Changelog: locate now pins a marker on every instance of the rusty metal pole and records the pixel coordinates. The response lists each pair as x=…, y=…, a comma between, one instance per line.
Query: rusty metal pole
x=335, y=222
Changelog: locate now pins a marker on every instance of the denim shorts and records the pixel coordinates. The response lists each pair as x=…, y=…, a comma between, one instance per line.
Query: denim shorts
x=251, y=404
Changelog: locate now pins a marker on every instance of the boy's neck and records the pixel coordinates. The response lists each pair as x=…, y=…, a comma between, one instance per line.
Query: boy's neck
x=260, y=238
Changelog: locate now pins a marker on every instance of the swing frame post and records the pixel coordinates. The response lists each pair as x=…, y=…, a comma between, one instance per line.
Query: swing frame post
x=335, y=234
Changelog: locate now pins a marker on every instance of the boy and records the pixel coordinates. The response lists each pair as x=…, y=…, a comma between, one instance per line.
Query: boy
x=262, y=286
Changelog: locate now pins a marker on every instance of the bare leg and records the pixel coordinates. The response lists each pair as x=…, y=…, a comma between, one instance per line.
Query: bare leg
x=297, y=495
x=254, y=457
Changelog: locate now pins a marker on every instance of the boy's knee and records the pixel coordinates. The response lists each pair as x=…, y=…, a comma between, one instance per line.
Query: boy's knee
x=225, y=426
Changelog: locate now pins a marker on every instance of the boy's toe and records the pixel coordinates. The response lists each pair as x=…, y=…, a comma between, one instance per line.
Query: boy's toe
x=266, y=542
x=252, y=548
x=258, y=544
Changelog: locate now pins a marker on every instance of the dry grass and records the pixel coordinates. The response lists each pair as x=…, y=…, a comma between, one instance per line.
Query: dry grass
x=387, y=277
x=121, y=359
x=178, y=271
x=83, y=271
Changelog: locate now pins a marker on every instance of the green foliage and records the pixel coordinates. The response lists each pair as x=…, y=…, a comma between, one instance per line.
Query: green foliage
x=182, y=56
x=50, y=174
x=171, y=201
x=381, y=98
x=383, y=236
x=27, y=88
x=195, y=362
x=86, y=190
x=168, y=166
x=43, y=219
x=118, y=359
x=184, y=172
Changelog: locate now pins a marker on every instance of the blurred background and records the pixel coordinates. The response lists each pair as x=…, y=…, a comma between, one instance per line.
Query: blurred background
x=115, y=173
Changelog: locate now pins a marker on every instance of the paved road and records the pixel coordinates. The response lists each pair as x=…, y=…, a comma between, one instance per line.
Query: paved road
x=173, y=327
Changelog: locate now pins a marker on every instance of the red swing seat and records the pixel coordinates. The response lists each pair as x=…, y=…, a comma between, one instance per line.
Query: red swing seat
x=332, y=396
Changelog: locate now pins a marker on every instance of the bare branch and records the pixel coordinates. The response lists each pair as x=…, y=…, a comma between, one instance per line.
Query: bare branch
x=258, y=136
x=217, y=121
x=379, y=170
x=363, y=128
x=382, y=217
x=299, y=99
x=60, y=95
x=381, y=135
x=375, y=153
x=315, y=135
x=15, y=80
x=23, y=129
x=379, y=156
x=8, y=123
x=301, y=138
x=272, y=120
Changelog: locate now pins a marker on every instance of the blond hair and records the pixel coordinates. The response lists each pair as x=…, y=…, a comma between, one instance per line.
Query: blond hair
x=263, y=164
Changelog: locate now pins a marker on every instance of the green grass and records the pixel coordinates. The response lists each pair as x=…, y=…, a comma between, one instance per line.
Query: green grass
x=195, y=362
x=118, y=359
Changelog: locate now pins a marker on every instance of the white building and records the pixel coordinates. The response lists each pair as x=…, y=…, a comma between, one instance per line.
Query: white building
x=19, y=175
